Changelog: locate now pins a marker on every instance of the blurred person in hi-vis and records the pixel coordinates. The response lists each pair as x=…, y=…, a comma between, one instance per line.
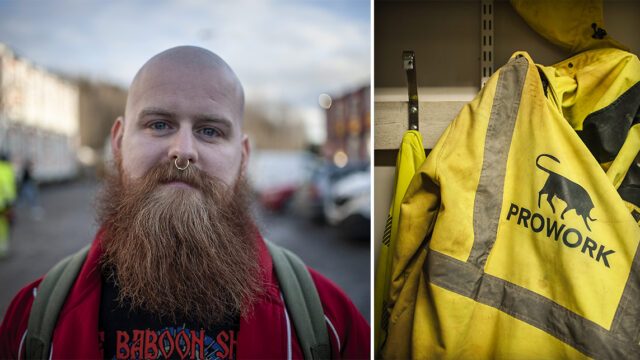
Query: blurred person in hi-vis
x=178, y=267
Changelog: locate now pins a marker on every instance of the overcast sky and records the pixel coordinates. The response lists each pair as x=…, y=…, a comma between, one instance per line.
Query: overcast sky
x=287, y=51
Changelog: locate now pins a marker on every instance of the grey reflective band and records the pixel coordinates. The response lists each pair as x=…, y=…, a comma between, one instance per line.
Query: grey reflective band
x=488, y=201
x=584, y=335
x=386, y=237
x=626, y=322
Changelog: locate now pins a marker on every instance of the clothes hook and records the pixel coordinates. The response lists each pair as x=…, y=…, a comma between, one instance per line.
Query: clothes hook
x=409, y=61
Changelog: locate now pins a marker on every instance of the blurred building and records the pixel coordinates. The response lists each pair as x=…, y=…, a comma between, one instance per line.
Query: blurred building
x=38, y=117
x=348, y=128
x=100, y=104
x=58, y=123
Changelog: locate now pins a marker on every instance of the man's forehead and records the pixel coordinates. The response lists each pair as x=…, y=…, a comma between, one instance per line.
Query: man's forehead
x=186, y=67
x=189, y=58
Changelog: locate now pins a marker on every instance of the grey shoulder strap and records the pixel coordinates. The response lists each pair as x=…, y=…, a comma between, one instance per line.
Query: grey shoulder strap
x=46, y=307
x=303, y=303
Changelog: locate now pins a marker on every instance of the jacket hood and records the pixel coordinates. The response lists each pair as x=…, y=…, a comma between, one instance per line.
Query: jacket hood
x=574, y=25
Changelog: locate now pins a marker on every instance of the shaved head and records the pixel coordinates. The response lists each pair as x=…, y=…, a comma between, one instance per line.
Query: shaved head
x=183, y=62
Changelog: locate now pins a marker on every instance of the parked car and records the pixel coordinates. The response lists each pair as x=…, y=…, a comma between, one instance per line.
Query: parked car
x=275, y=176
x=337, y=196
x=277, y=198
x=309, y=200
x=348, y=201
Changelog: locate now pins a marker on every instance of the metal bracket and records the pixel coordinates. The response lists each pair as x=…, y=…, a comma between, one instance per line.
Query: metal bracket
x=486, y=41
x=409, y=60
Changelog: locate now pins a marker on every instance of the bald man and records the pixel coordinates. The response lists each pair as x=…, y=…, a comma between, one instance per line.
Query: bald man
x=178, y=268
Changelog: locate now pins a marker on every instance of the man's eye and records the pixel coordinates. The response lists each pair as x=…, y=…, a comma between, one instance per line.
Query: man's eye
x=210, y=132
x=159, y=125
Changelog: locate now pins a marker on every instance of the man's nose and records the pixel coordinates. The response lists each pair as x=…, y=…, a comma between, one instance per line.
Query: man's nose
x=183, y=146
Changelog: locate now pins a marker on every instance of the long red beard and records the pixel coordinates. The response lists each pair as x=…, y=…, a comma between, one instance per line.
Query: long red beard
x=180, y=252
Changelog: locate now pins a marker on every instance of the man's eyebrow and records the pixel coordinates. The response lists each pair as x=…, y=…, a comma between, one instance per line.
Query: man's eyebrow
x=210, y=118
x=152, y=111
x=207, y=118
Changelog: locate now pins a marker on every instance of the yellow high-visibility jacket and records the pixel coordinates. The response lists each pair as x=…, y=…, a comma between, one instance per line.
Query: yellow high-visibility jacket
x=7, y=198
x=410, y=157
x=7, y=185
x=518, y=237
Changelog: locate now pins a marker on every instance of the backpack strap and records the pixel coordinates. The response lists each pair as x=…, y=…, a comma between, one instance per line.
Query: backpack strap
x=46, y=307
x=302, y=301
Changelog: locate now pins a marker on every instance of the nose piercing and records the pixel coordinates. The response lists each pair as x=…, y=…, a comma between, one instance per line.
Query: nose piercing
x=181, y=168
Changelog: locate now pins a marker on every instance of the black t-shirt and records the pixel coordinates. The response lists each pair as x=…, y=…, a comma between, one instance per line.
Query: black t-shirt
x=126, y=334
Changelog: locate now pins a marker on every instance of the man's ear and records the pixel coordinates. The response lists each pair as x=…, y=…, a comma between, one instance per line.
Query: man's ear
x=117, y=131
x=246, y=151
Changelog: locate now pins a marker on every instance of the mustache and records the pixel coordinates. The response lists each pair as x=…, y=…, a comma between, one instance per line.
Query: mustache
x=166, y=172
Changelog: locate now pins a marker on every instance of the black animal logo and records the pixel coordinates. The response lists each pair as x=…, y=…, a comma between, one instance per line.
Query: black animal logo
x=574, y=195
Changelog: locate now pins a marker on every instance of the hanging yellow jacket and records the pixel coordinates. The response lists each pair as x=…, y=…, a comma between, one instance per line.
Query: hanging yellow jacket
x=518, y=237
x=410, y=156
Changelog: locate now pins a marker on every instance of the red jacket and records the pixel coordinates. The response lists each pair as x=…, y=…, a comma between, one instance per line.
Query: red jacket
x=268, y=333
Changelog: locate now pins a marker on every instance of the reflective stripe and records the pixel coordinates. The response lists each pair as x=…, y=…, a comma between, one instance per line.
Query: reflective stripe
x=586, y=336
x=22, y=344
x=288, y=322
x=386, y=237
x=335, y=333
x=488, y=201
x=626, y=322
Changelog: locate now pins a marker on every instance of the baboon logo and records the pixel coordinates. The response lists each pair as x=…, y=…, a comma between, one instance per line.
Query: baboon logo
x=574, y=195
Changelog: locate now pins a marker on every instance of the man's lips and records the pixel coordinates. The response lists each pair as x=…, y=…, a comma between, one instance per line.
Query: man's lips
x=179, y=184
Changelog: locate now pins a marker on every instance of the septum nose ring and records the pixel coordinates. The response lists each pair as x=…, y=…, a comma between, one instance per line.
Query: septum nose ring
x=181, y=168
